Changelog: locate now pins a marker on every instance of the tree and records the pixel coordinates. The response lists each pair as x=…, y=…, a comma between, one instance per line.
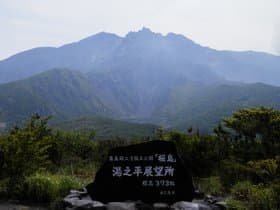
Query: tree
x=26, y=150
x=252, y=126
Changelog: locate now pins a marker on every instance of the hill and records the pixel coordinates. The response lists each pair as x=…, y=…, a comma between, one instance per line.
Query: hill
x=60, y=93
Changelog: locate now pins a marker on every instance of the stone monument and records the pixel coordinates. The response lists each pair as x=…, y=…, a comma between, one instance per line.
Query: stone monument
x=149, y=172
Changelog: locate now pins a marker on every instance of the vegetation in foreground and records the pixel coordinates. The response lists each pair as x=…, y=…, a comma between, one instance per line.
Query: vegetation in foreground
x=240, y=160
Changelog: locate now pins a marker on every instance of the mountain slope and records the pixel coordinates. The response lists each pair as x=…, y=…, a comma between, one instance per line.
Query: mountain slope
x=79, y=56
x=107, y=128
x=62, y=93
x=166, y=100
x=250, y=67
x=204, y=106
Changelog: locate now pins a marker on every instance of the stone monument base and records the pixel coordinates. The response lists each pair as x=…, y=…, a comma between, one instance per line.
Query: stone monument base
x=80, y=200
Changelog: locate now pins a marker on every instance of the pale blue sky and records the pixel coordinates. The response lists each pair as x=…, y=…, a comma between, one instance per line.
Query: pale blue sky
x=220, y=24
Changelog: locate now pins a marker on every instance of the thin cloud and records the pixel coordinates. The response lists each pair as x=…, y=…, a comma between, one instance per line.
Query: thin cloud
x=276, y=39
x=231, y=24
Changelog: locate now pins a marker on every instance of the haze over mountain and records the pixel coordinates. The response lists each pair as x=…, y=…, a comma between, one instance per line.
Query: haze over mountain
x=67, y=95
x=142, y=77
x=145, y=49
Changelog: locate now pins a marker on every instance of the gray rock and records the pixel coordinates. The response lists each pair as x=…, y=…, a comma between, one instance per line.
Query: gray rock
x=80, y=200
x=143, y=206
x=80, y=192
x=221, y=205
x=161, y=206
x=70, y=201
x=183, y=205
x=87, y=205
x=76, y=202
x=121, y=206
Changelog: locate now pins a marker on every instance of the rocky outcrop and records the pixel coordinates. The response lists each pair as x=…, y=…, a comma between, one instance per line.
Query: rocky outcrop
x=80, y=200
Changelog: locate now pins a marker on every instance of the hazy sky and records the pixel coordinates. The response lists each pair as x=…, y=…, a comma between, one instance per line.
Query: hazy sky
x=220, y=24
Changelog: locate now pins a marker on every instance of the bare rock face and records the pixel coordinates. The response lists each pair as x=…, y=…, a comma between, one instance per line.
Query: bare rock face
x=150, y=172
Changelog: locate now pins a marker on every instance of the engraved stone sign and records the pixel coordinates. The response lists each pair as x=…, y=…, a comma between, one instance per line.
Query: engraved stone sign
x=150, y=172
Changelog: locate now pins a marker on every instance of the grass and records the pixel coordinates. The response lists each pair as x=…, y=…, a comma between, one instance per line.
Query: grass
x=210, y=185
x=45, y=188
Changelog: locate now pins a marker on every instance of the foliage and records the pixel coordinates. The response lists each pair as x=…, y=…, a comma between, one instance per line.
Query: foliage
x=254, y=196
x=45, y=164
x=27, y=150
x=242, y=190
x=198, y=151
x=76, y=145
x=232, y=171
x=233, y=204
x=211, y=185
x=265, y=170
x=258, y=124
x=46, y=188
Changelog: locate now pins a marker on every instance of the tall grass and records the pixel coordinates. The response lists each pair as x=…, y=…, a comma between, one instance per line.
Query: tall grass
x=45, y=188
x=210, y=185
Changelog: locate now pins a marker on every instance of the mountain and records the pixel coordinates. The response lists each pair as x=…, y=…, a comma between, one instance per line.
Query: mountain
x=78, y=56
x=60, y=93
x=145, y=51
x=68, y=95
x=143, y=77
x=106, y=128
x=204, y=106
x=248, y=67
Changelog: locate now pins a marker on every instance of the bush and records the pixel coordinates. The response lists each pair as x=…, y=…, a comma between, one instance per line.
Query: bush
x=24, y=151
x=45, y=188
x=211, y=185
x=242, y=190
x=276, y=193
x=233, y=204
x=3, y=188
x=261, y=198
x=232, y=172
x=254, y=196
x=265, y=170
x=199, y=152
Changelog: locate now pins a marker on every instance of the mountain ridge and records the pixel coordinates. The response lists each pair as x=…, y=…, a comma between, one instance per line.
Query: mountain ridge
x=144, y=77
x=90, y=54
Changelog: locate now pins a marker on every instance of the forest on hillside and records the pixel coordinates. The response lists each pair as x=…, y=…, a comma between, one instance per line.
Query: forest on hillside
x=239, y=160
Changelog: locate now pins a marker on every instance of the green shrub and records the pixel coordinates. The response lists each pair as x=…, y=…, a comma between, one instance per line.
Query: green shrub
x=45, y=188
x=265, y=170
x=256, y=197
x=242, y=190
x=65, y=184
x=276, y=193
x=261, y=198
x=25, y=151
x=233, y=204
x=232, y=172
x=39, y=188
x=211, y=185
x=3, y=188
